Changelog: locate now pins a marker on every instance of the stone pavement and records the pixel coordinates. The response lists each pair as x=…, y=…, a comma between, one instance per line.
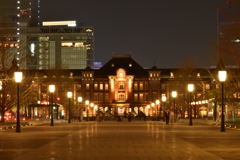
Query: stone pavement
x=136, y=140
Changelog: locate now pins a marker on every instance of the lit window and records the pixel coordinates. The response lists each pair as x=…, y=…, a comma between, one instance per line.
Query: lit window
x=95, y=86
x=121, y=97
x=112, y=65
x=106, y=86
x=87, y=86
x=101, y=86
x=141, y=97
x=141, y=86
x=199, y=95
x=130, y=65
x=135, y=97
x=135, y=86
x=207, y=86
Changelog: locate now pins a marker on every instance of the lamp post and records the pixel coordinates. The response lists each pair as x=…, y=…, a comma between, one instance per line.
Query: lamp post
x=157, y=103
x=190, y=90
x=152, y=104
x=18, y=80
x=222, y=75
x=92, y=105
x=164, y=98
x=95, y=109
x=69, y=94
x=174, y=95
x=148, y=107
x=80, y=109
x=87, y=103
x=52, y=90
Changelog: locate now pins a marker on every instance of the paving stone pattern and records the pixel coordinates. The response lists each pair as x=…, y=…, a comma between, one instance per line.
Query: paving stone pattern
x=111, y=140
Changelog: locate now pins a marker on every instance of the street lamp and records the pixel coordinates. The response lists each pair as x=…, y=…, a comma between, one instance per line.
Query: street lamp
x=152, y=104
x=222, y=75
x=52, y=89
x=190, y=90
x=69, y=95
x=95, y=110
x=148, y=107
x=164, y=99
x=80, y=109
x=174, y=95
x=87, y=103
x=92, y=104
x=18, y=80
x=157, y=103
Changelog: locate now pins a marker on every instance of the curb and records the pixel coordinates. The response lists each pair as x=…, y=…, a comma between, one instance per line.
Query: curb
x=5, y=128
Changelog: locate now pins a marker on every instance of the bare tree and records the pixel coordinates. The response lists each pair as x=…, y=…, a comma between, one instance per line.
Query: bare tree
x=227, y=54
x=9, y=62
x=186, y=74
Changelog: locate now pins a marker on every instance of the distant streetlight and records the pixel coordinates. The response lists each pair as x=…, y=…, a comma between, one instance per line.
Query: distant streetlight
x=148, y=106
x=222, y=75
x=190, y=90
x=152, y=104
x=69, y=95
x=164, y=99
x=87, y=103
x=157, y=103
x=174, y=95
x=52, y=90
x=18, y=80
x=80, y=108
x=92, y=105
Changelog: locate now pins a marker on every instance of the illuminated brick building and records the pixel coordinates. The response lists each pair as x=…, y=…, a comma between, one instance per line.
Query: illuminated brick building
x=123, y=85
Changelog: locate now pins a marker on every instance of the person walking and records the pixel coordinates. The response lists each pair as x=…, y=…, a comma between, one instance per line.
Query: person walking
x=166, y=115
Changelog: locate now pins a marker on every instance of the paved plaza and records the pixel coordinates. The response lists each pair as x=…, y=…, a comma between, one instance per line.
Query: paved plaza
x=111, y=140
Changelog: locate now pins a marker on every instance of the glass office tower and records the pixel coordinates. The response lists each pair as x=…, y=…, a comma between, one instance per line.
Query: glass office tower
x=45, y=47
x=54, y=46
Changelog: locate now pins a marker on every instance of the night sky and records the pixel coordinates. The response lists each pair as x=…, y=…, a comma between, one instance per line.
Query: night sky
x=164, y=31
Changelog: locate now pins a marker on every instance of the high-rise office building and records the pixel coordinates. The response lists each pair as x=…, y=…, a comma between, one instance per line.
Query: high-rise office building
x=45, y=46
x=60, y=43
x=16, y=13
x=15, y=17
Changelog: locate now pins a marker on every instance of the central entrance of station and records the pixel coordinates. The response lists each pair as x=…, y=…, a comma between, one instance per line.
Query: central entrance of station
x=121, y=107
x=121, y=110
